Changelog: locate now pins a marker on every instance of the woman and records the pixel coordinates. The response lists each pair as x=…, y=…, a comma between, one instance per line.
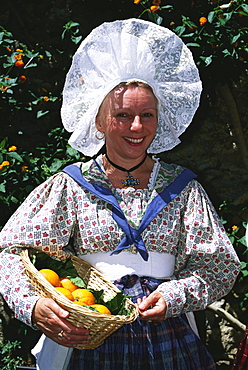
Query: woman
x=146, y=225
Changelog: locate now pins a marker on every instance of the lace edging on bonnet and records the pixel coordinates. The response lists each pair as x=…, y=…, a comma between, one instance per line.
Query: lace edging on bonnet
x=125, y=50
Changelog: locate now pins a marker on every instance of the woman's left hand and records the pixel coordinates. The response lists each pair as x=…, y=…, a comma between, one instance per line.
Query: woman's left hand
x=152, y=308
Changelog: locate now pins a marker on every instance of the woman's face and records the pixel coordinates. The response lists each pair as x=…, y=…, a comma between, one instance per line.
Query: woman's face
x=128, y=118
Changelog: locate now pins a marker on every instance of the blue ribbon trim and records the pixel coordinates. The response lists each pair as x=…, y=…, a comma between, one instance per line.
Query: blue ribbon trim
x=133, y=236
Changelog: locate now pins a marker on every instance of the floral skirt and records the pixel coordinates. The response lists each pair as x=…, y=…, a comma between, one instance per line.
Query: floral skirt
x=142, y=345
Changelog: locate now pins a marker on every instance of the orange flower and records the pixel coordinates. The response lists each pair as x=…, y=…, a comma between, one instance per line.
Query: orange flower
x=19, y=64
x=154, y=8
x=46, y=98
x=156, y=2
x=8, y=48
x=24, y=168
x=234, y=227
x=19, y=50
x=22, y=79
x=136, y=1
x=41, y=56
x=202, y=21
x=4, y=164
x=18, y=56
x=12, y=148
x=4, y=88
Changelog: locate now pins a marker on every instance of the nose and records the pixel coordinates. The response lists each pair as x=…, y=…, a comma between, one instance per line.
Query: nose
x=136, y=124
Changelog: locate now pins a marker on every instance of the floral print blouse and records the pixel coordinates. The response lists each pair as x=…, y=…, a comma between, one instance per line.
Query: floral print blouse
x=60, y=218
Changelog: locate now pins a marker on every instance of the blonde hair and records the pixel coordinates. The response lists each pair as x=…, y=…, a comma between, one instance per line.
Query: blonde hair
x=131, y=83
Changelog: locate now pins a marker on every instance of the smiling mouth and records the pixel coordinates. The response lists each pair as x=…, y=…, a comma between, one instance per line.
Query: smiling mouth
x=135, y=141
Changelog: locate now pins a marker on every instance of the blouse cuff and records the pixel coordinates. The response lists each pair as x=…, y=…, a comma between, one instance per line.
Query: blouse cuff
x=172, y=298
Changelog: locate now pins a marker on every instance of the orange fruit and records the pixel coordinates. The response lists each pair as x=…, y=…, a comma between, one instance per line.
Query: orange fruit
x=51, y=276
x=101, y=308
x=68, y=284
x=83, y=296
x=65, y=292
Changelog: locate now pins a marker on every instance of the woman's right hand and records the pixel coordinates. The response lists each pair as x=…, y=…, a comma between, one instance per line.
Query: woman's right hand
x=51, y=319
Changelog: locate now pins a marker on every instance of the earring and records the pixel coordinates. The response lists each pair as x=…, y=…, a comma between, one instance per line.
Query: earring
x=99, y=137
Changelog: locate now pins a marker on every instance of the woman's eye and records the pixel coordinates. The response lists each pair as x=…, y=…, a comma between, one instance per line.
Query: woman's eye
x=122, y=115
x=148, y=115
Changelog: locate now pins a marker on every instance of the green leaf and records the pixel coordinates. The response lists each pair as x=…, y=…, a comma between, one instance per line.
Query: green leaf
x=15, y=156
x=117, y=304
x=30, y=55
x=245, y=7
x=233, y=39
x=211, y=16
x=76, y=39
x=228, y=16
x=3, y=143
x=244, y=273
x=30, y=65
x=63, y=34
x=207, y=60
x=243, y=264
x=14, y=200
x=71, y=24
x=179, y=30
x=56, y=165
x=99, y=295
x=2, y=187
x=193, y=44
x=158, y=19
x=78, y=281
x=42, y=113
x=166, y=7
x=48, y=54
x=226, y=52
x=7, y=65
x=71, y=151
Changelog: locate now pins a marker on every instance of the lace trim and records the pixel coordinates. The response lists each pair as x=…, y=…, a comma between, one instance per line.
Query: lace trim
x=169, y=69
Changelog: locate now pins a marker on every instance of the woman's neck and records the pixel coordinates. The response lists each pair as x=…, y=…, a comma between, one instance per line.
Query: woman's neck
x=119, y=179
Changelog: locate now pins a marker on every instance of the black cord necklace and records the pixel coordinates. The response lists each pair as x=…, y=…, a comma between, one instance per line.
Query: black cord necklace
x=130, y=180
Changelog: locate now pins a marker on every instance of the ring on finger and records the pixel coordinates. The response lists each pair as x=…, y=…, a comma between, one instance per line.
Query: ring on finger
x=60, y=334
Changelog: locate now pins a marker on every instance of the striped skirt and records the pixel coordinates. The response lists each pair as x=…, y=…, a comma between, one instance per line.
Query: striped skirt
x=142, y=345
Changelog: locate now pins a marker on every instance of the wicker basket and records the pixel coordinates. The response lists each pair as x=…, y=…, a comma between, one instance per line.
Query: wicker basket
x=99, y=325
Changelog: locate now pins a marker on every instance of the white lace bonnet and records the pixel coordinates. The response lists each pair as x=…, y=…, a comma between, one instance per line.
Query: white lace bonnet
x=121, y=51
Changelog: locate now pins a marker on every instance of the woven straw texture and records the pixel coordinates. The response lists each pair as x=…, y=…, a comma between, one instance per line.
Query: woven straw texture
x=99, y=325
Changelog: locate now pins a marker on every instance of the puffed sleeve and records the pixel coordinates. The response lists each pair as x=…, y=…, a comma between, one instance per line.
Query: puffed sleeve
x=206, y=262
x=44, y=221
